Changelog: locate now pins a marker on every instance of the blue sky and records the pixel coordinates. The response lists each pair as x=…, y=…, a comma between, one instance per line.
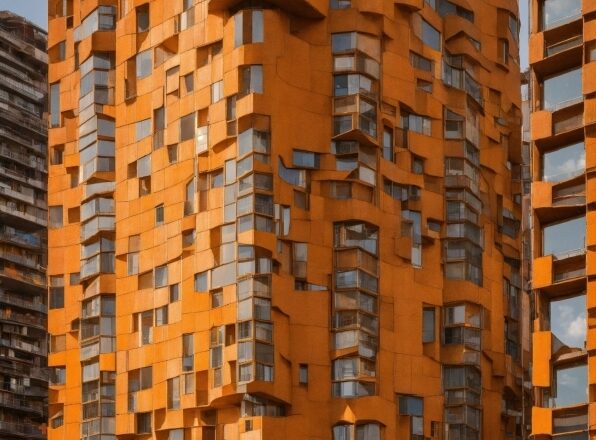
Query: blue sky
x=34, y=10
x=37, y=12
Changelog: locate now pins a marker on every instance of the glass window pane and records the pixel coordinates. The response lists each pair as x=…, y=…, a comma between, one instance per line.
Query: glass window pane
x=568, y=320
x=563, y=237
x=561, y=90
x=564, y=163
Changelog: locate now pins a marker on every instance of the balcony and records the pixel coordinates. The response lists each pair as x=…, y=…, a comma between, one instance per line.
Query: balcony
x=26, y=430
x=21, y=302
x=569, y=266
x=569, y=118
x=569, y=194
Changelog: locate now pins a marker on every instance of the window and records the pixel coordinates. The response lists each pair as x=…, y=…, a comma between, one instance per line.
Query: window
x=55, y=214
x=430, y=36
x=142, y=129
x=187, y=127
x=189, y=198
x=417, y=123
x=388, y=144
x=55, y=105
x=176, y=434
x=217, y=92
x=159, y=125
x=303, y=374
x=340, y=4
x=144, y=64
x=558, y=12
x=251, y=80
x=570, y=384
x=305, y=159
x=201, y=282
x=56, y=300
x=140, y=379
x=174, y=393
x=454, y=125
x=367, y=431
x=142, y=13
x=417, y=165
x=161, y=276
x=248, y=27
x=57, y=375
x=188, y=84
x=144, y=324
x=143, y=423
x=503, y=50
x=414, y=407
x=173, y=153
x=445, y=8
x=564, y=162
x=428, y=324
x=216, y=353
x=420, y=62
x=425, y=86
x=159, y=215
x=175, y=292
x=562, y=90
x=567, y=319
x=564, y=238
x=187, y=352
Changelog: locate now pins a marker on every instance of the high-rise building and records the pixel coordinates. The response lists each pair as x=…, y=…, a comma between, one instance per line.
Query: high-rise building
x=295, y=219
x=23, y=221
x=562, y=98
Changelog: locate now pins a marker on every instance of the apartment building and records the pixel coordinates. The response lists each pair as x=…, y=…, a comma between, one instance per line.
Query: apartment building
x=563, y=79
x=23, y=221
x=286, y=219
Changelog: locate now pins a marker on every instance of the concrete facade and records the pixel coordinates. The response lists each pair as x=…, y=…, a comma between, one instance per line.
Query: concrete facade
x=295, y=219
x=23, y=222
x=561, y=102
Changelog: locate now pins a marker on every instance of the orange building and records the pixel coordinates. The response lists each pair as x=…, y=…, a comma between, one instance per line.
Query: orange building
x=563, y=87
x=286, y=219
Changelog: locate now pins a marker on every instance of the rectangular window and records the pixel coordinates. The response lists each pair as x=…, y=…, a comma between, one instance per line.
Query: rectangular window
x=55, y=105
x=340, y=4
x=250, y=80
x=159, y=215
x=564, y=238
x=305, y=159
x=187, y=127
x=562, y=90
x=201, y=282
x=570, y=384
x=217, y=92
x=144, y=64
x=55, y=214
x=143, y=423
x=430, y=36
x=161, y=276
x=56, y=300
x=558, y=12
x=567, y=319
x=142, y=15
x=303, y=374
x=564, y=163
x=142, y=129
x=388, y=144
x=248, y=27
x=428, y=324
x=187, y=352
x=175, y=292
x=174, y=393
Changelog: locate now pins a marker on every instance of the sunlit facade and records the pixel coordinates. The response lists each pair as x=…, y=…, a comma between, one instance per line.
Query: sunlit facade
x=287, y=219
